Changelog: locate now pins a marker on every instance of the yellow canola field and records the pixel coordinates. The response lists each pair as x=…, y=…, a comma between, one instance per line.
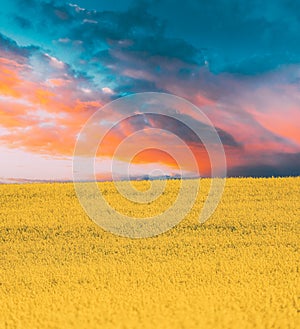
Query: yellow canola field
x=240, y=269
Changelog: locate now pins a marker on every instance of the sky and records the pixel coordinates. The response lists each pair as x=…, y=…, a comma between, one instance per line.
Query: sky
x=237, y=60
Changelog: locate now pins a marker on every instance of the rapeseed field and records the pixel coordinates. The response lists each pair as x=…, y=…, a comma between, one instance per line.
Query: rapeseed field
x=240, y=269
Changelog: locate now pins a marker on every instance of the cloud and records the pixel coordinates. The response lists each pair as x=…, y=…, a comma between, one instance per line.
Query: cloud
x=240, y=36
x=23, y=22
x=10, y=50
x=43, y=103
x=237, y=60
x=234, y=36
x=283, y=164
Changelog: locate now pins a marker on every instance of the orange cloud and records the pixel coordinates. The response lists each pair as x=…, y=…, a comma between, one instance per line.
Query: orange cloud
x=45, y=114
x=43, y=96
x=9, y=79
x=41, y=117
x=155, y=155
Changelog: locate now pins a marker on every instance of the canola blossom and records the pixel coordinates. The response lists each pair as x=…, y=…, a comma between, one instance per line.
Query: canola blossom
x=240, y=269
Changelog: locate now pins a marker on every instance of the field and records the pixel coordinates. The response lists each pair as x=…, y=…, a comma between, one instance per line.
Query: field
x=240, y=269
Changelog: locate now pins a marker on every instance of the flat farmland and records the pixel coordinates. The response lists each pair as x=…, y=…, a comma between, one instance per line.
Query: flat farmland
x=240, y=269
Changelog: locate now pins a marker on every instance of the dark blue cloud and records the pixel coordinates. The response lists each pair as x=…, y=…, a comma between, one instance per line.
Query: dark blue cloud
x=235, y=36
x=177, y=127
x=284, y=164
x=23, y=22
x=263, y=34
x=10, y=49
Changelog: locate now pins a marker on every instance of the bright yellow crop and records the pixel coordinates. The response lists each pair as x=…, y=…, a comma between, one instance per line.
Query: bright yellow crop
x=238, y=270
